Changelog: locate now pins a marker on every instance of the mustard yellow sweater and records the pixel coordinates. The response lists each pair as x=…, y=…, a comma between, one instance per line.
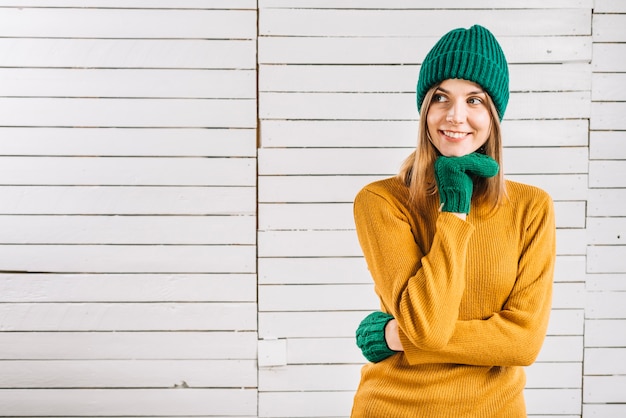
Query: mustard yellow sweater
x=472, y=299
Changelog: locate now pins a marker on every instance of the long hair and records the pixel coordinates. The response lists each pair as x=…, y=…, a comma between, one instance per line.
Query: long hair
x=418, y=173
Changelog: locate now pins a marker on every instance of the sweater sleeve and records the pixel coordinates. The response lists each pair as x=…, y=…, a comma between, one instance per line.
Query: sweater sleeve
x=422, y=291
x=514, y=335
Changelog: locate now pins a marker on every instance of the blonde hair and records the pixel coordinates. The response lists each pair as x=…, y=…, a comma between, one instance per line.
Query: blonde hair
x=417, y=171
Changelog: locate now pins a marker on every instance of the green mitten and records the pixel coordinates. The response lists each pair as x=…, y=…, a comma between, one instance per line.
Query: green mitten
x=370, y=337
x=455, y=185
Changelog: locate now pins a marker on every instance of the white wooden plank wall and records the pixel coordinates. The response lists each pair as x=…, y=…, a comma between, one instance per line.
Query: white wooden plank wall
x=135, y=239
x=128, y=208
x=337, y=110
x=605, y=315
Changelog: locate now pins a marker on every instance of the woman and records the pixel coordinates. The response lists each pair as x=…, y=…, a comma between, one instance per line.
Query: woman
x=462, y=259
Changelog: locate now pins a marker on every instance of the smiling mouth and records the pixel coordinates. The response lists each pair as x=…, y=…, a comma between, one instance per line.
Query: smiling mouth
x=455, y=135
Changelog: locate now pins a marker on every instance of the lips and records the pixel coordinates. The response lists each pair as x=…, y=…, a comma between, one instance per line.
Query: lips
x=455, y=135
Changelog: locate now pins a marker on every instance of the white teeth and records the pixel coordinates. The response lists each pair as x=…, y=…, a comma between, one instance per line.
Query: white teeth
x=456, y=135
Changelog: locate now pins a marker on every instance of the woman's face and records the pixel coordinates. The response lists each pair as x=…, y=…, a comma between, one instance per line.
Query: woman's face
x=458, y=119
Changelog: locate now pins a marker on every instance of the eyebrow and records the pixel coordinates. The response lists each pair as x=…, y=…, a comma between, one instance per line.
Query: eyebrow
x=468, y=94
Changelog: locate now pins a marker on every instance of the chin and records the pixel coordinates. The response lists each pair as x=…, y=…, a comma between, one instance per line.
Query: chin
x=455, y=153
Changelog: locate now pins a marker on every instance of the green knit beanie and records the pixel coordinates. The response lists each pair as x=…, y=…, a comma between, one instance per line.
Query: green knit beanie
x=471, y=54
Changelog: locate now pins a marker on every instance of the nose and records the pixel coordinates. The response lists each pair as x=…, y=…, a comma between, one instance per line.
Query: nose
x=456, y=113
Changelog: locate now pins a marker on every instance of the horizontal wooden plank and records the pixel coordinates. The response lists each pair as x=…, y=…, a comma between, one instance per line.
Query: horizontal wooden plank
x=570, y=214
x=570, y=269
x=402, y=78
x=128, y=317
x=608, y=87
x=571, y=241
x=606, y=145
x=607, y=27
x=338, y=134
x=403, y=134
x=127, y=200
x=409, y=50
x=323, y=351
x=144, y=374
x=566, y=322
x=609, y=6
x=605, y=361
x=137, y=113
x=554, y=375
x=568, y=296
x=553, y=401
x=122, y=345
x=552, y=416
x=561, y=348
x=444, y=4
x=338, y=78
x=608, y=115
x=607, y=173
x=545, y=133
x=572, y=76
x=308, y=244
x=143, y=4
x=128, y=258
x=401, y=106
x=602, y=202
x=127, y=287
x=309, y=189
x=606, y=282
x=309, y=324
x=125, y=53
x=305, y=404
x=609, y=57
x=332, y=106
x=318, y=270
x=565, y=105
x=398, y=23
x=305, y=216
x=120, y=142
x=559, y=186
x=131, y=230
x=128, y=171
x=128, y=23
x=128, y=402
x=308, y=378
x=312, y=297
x=606, y=259
x=606, y=305
x=606, y=231
x=601, y=333
x=327, y=161
x=558, y=160
x=604, y=410
x=131, y=83
x=605, y=389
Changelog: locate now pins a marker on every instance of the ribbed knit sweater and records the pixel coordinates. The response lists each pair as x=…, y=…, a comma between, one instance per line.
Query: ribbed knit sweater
x=472, y=299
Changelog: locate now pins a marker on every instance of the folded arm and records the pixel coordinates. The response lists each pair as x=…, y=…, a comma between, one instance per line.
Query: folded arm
x=422, y=291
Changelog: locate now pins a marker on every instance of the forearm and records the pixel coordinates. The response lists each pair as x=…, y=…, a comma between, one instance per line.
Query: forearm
x=515, y=349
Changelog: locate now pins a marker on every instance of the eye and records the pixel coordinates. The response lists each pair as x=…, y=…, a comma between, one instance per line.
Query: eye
x=439, y=98
x=475, y=100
